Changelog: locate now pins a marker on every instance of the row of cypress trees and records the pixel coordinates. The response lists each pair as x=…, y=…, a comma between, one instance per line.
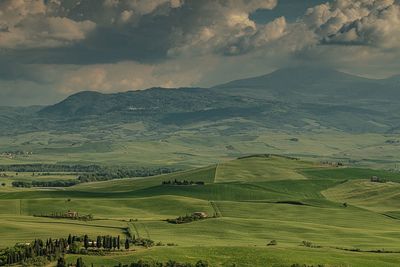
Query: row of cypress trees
x=52, y=249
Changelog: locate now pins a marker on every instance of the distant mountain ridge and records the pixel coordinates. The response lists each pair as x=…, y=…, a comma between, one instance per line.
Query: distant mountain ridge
x=146, y=102
x=284, y=99
x=311, y=84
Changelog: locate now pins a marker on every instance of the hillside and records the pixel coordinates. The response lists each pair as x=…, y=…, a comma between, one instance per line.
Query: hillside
x=331, y=98
x=151, y=102
x=321, y=94
x=256, y=199
x=315, y=85
x=319, y=113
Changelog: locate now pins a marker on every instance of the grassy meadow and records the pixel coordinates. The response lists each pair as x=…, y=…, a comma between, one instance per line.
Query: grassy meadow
x=257, y=199
x=198, y=145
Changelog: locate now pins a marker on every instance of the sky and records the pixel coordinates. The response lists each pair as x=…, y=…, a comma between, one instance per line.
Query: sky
x=50, y=49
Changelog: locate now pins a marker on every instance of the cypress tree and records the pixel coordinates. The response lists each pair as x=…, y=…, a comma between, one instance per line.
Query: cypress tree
x=114, y=242
x=61, y=262
x=79, y=262
x=98, y=242
x=86, y=241
x=127, y=244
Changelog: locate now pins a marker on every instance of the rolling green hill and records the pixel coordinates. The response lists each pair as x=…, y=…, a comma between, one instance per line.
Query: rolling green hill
x=256, y=199
x=317, y=114
x=379, y=197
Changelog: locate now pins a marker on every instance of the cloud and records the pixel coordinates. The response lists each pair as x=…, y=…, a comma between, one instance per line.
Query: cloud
x=26, y=24
x=363, y=22
x=224, y=27
x=54, y=48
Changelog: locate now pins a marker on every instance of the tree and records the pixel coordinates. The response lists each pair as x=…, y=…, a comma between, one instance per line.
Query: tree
x=98, y=242
x=201, y=264
x=118, y=242
x=114, y=242
x=79, y=262
x=127, y=244
x=86, y=241
x=69, y=239
x=61, y=262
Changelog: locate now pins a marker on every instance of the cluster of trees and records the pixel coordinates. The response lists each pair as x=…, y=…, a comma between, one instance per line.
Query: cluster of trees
x=105, y=242
x=20, y=253
x=143, y=242
x=67, y=215
x=141, y=263
x=117, y=173
x=75, y=168
x=187, y=219
x=62, y=263
x=86, y=173
x=182, y=182
x=53, y=249
x=169, y=263
x=376, y=179
x=305, y=265
x=80, y=263
x=60, y=183
x=309, y=244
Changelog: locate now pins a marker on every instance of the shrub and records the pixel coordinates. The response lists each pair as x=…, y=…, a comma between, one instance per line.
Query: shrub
x=307, y=244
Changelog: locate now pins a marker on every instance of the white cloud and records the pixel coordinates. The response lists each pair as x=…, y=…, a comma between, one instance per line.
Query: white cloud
x=225, y=27
x=128, y=75
x=26, y=24
x=368, y=22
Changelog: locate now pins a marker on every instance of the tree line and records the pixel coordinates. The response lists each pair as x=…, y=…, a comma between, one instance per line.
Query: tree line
x=80, y=263
x=86, y=173
x=187, y=219
x=52, y=249
x=22, y=253
x=35, y=183
x=182, y=182
x=66, y=215
x=50, y=168
x=118, y=173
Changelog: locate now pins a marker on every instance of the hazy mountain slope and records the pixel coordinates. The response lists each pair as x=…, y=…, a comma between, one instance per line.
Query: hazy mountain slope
x=316, y=85
x=288, y=99
x=155, y=101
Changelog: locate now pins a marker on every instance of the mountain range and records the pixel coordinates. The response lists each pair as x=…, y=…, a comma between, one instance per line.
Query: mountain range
x=285, y=99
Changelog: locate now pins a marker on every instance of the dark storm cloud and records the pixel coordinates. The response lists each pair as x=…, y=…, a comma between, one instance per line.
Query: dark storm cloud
x=50, y=49
x=110, y=31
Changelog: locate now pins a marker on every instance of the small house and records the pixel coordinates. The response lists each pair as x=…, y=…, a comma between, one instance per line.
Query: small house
x=71, y=214
x=200, y=214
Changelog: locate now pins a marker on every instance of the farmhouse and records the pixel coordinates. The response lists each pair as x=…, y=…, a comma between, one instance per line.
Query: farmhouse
x=71, y=214
x=200, y=214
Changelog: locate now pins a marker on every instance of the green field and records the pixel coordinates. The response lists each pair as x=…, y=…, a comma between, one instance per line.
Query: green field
x=257, y=199
x=199, y=144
